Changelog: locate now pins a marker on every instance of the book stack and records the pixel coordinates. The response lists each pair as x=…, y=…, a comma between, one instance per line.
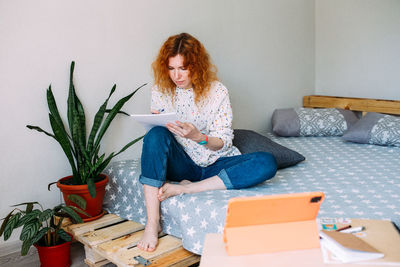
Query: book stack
x=377, y=243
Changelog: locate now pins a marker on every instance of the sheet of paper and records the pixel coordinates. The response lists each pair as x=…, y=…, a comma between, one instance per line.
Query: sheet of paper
x=148, y=121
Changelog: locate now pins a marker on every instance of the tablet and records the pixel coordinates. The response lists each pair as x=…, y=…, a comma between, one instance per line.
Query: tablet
x=272, y=223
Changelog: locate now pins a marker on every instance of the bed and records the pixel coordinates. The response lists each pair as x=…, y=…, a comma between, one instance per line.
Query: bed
x=359, y=181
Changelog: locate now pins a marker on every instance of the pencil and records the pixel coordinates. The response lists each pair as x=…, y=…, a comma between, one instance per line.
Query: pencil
x=343, y=228
x=354, y=230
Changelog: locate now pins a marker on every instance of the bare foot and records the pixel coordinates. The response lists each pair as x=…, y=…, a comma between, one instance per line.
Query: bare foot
x=149, y=239
x=170, y=190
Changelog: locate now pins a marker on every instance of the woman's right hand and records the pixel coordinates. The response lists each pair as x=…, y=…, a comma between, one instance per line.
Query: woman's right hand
x=154, y=111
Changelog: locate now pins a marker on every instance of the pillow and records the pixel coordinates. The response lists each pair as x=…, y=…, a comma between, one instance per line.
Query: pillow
x=375, y=128
x=248, y=141
x=312, y=122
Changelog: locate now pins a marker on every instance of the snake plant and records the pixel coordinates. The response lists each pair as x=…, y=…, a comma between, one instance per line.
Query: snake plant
x=39, y=225
x=81, y=150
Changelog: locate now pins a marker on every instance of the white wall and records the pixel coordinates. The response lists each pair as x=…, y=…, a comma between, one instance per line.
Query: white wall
x=264, y=51
x=358, y=48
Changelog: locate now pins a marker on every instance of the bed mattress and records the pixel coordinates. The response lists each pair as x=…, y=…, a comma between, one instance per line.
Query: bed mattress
x=359, y=181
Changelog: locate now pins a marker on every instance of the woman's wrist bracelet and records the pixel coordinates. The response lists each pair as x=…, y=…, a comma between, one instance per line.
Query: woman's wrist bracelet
x=204, y=142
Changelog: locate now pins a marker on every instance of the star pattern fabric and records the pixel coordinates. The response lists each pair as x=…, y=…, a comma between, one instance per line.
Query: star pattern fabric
x=359, y=181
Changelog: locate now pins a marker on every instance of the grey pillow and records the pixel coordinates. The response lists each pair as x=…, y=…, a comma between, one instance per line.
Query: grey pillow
x=312, y=122
x=248, y=141
x=375, y=128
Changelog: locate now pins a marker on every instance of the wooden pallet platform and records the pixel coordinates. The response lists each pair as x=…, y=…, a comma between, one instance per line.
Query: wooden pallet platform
x=113, y=239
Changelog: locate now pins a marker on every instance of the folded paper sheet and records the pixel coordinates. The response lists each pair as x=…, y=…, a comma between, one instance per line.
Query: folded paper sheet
x=150, y=120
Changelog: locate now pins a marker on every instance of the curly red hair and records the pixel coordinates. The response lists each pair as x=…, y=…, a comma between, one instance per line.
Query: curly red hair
x=196, y=59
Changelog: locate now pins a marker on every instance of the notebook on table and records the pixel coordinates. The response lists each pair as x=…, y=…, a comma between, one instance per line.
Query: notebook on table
x=272, y=223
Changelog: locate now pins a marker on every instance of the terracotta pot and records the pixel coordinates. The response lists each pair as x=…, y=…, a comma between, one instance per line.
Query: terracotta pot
x=94, y=206
x=55, y=256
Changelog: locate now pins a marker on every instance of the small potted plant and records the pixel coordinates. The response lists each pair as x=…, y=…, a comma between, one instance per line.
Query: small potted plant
x=41, y=228
x=82, y=148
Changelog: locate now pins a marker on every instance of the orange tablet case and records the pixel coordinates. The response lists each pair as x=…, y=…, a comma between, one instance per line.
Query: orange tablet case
x=272, y=223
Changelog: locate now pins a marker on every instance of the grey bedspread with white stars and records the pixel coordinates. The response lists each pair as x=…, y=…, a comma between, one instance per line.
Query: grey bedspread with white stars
x=359, y=181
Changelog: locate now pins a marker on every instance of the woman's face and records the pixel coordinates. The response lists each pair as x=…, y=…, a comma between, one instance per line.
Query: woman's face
x=178, y=73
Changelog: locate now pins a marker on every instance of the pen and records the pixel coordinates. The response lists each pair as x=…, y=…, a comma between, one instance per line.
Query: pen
x=343, y=228
x=353, y=230
x=157, y=111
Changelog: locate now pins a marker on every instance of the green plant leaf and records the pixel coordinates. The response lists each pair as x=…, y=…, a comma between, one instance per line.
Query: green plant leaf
x=80, y=211
x=28, y=217
x=82, y=121
x=29, y=207
x=35, y=212
x=40, y=234
x=71, y=213
x=79, y=138
x=64, y=142
x=73, y=118
x=45, y=215
x=3, y=225
x=10, y=226
x=71, y=97
x=129, y=144
x=119, y=112
x=50, y=184
x=91, y=187
x=29, y=230
x=96, y=153
x=51, y=103
x=82, y=148
x=103, y=165
x=117, y=107
x=32, y=127
x=75, y=141
x=57, y=208
x=25, y=203
x=98, y=162
x=98, y=118
x=25, y=247
x=61, y=233
x=78, y=200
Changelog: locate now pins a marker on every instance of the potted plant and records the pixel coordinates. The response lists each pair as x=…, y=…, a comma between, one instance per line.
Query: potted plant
x=82, y=149
x=41, y=228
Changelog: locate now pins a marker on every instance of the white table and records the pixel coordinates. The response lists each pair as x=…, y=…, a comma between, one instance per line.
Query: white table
x=214, y=255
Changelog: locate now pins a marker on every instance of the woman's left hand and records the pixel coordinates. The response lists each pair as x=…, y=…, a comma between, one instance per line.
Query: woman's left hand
x=186, y=130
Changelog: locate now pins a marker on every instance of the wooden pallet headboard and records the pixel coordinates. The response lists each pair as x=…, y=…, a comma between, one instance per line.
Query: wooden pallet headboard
x=352, y=103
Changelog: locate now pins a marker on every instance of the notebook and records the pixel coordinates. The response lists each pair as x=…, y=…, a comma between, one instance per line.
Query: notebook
x=272, y=223
x=348, y=248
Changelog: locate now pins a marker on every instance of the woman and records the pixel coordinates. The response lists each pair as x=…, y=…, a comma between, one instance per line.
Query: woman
x=197, y=150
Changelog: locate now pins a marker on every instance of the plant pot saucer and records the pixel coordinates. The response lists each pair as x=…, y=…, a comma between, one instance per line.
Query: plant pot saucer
x=95, y=217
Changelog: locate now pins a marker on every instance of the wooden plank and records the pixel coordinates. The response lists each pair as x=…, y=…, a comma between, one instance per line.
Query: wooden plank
x=81, y=228
x=178, y=258
x=92, y=255
x=126, y=241
x=96, y=264
x=102, y=235
x=116, y=243
x=123, y=242
x=352, y=103
x=125, y=257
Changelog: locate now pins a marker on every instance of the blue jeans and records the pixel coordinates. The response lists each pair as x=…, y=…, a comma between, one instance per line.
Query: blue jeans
x=163, y=158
